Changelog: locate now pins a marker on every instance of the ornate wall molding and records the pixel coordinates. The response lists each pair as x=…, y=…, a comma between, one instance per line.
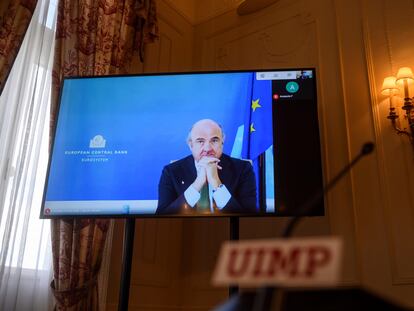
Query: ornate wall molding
x=275, y=41
x=293, y=35
x=387, y=140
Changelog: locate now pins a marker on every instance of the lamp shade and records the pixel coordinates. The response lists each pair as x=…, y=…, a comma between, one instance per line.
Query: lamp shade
x=405, y=73
x=389, y=87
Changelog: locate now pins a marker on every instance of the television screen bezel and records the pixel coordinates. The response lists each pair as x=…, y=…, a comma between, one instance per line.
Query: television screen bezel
x=178, y=216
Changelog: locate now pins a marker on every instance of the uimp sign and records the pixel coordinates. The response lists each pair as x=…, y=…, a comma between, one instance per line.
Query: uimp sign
x=285, y=262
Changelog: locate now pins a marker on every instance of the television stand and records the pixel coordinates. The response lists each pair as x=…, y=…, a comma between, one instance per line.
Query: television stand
x=127, y=252
x=234, y=236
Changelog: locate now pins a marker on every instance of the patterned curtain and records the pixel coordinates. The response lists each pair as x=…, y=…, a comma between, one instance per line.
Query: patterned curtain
x=93, y=37
x=13, y=25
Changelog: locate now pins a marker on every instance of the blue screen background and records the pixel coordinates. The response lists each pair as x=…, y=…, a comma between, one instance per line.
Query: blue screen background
x=149, y=117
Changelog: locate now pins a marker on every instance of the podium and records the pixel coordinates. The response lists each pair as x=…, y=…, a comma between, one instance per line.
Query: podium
x=314, y=300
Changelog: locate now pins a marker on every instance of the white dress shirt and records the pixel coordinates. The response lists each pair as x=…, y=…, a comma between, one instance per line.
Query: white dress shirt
x=221, y=196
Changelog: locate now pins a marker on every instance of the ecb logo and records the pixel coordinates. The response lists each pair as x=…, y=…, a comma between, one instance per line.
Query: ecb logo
x=97, y=142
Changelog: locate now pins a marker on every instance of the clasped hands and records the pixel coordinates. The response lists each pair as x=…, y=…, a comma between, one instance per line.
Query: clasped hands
x=207, y=172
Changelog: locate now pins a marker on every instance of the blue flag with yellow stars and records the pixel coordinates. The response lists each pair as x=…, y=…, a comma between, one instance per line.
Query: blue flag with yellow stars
x=258, y=130
x=258, y=126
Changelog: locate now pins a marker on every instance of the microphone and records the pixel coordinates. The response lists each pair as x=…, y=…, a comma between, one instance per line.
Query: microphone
x=264, y=295
x=309, y=205
x=367, y=148
x=262, y=300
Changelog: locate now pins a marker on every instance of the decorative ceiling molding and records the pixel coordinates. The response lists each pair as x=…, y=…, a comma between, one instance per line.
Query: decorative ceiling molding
x=206, y=10
x=185, y=8
x=251, y=6
x=197, y=12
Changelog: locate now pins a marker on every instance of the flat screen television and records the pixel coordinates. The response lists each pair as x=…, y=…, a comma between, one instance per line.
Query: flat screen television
x=234, y=143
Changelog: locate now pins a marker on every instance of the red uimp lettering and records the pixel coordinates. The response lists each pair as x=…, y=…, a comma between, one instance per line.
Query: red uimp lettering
x=258, y=266
x=238, y=263
x=287, y=261
x=318, y=256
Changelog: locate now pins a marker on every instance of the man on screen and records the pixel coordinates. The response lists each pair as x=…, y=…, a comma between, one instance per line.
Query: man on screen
x=207, y=181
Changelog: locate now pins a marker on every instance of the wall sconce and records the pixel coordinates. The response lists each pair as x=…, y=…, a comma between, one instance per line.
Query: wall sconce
x=390, y=87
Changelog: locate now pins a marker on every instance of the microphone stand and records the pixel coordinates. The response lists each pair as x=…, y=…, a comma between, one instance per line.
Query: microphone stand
x=264, y=296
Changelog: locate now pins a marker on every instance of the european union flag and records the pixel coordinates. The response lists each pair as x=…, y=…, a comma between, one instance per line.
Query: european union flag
x=260, y=128
x=258, y=124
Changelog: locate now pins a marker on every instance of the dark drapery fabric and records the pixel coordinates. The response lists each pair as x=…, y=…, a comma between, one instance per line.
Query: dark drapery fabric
x=93, y=38
x=14, y=21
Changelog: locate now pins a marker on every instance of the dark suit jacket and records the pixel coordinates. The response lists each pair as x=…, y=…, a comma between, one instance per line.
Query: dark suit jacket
x=237, y=175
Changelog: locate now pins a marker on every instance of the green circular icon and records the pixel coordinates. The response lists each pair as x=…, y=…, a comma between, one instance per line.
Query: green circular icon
x=292, y=87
